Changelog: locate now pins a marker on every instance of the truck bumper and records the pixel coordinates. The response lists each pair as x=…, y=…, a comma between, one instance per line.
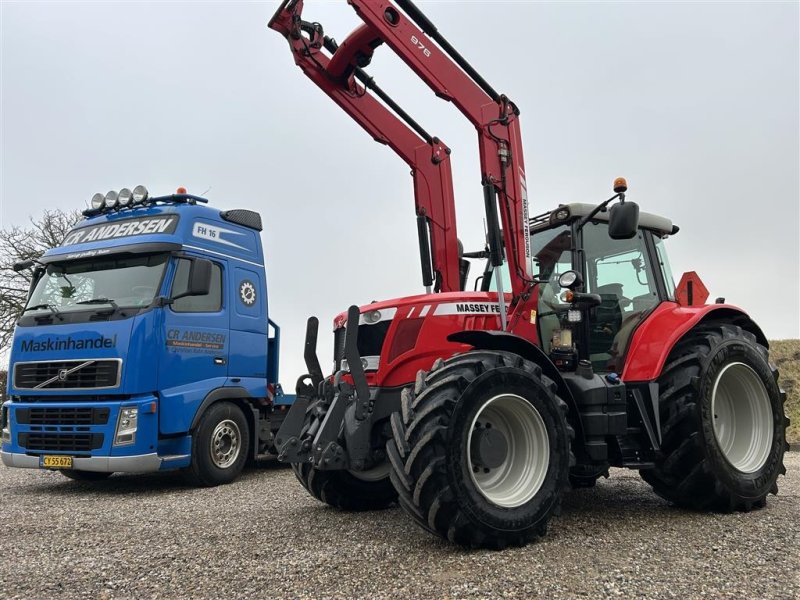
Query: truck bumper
x=141, y=463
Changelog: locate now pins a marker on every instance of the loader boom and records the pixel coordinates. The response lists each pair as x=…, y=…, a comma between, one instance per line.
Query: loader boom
x=338, y=76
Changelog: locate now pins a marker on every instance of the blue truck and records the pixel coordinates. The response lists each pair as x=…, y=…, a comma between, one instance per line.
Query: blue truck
x=146, y=345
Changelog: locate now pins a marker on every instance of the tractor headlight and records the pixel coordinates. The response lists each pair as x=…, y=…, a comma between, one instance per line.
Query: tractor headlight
x=97, y=201
x=127, y=423
x=569, y=279
x=111, y=199
x=372, y=316
x=140, y=194
x=125, y=197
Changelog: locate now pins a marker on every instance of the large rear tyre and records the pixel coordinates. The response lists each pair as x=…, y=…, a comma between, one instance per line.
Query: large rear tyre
x=345, y=490
x=724, y=429
x=220, y=446
x=481, y=452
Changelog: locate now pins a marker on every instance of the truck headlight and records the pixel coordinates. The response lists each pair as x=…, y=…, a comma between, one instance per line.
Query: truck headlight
x=126, y=426
x=5, y=421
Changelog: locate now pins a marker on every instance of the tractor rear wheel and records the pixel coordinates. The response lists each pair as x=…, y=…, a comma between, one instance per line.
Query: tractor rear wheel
x=724, y=429
x=345, y=490
x=481, y=452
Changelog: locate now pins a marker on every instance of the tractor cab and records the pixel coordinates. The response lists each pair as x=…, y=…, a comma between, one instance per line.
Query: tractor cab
x=612, y=285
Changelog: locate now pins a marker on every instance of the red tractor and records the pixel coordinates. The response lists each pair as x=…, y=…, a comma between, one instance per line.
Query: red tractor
x=574, y=353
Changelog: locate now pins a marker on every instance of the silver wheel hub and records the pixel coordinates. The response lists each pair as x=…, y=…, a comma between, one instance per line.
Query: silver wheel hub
x=742, y=414
x=508, y=450
x=376, y=473
x=226, y=443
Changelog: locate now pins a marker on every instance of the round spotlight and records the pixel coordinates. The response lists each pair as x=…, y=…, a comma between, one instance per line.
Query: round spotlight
x=125, y=197
x=372, y=316
x=111, y=199
x=140, y=194
x=97, y=201
x=569, y=279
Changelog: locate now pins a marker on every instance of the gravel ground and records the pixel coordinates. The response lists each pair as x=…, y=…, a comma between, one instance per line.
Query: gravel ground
x=143, y=536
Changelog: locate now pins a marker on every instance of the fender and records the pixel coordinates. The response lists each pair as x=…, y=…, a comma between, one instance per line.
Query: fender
x=223, y=393
x=501, y=340
x=655, y=338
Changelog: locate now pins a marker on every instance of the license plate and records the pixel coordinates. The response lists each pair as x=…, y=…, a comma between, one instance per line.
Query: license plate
x=55, y=462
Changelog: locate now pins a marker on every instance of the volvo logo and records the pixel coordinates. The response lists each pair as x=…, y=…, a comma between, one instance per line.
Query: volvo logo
x=62, y=374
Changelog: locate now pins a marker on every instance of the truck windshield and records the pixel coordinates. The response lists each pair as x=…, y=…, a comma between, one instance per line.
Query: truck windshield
x=98, y=283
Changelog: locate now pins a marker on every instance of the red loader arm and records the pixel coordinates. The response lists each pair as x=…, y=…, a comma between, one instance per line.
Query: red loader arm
x=338, y=75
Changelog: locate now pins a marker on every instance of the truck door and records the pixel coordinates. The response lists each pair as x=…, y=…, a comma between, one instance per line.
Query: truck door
x=195, y=357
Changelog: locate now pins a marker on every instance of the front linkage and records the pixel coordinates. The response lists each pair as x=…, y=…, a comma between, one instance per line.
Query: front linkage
x=330, y=426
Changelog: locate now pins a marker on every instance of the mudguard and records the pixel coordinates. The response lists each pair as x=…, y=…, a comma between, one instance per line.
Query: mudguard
x=654, y=339
x=501, y=340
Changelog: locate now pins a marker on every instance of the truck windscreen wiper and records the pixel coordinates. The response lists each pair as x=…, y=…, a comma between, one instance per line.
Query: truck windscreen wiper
x=100, y=301
x=50, y=307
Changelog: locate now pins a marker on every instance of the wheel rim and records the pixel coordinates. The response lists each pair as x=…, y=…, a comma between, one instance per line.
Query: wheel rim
x=742, y=414
x=226, y=443
x=522, y=471
x=376, y=473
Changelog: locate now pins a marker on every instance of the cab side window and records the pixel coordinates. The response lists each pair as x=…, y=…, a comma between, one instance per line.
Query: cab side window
x=211, y=302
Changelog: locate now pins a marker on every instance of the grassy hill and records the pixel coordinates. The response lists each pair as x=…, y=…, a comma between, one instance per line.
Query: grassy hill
x=786, y=355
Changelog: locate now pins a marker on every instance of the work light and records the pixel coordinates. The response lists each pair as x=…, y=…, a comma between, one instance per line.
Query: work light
x=140, y=194
x=125, y=197
x=111, y=199
x=97, y=201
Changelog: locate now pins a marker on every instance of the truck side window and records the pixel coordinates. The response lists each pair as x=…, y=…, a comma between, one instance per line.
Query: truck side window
x=211, y=302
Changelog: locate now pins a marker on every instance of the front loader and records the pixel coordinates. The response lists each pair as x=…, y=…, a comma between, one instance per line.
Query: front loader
x=574, y=352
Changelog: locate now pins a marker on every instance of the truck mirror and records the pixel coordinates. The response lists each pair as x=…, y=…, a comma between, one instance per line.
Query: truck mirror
x=22, y=265
x=623, y=220
x=199, y=283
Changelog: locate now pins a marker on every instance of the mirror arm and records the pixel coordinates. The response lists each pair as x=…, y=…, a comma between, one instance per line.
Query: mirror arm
x=598, y=208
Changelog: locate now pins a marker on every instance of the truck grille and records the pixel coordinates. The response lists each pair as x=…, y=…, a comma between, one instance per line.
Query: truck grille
x=62, y=416
x=63, y=442
x=68, y=374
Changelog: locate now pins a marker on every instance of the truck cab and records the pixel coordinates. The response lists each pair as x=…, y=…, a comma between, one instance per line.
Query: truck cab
x=146, y=345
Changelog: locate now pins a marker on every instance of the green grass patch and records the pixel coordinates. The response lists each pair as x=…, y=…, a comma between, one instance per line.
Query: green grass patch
x=786, y=356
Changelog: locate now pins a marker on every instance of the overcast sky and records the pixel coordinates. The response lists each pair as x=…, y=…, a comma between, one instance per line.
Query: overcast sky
x=695, y=103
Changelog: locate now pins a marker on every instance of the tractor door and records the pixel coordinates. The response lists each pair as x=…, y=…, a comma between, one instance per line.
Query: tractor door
x=621, y=272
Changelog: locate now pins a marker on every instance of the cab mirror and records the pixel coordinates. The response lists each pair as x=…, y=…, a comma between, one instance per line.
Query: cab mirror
x=623, y=220
x=199, y=283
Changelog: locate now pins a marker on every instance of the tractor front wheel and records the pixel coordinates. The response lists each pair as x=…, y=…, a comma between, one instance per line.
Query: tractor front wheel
x=345, y=490
x=481, y=452
x=724, y=429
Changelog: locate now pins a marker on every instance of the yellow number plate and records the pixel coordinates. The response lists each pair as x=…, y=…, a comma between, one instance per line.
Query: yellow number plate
x=55, y=462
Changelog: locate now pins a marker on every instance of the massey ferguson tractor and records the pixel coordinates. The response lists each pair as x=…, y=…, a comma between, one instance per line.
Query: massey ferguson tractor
x=476, y=404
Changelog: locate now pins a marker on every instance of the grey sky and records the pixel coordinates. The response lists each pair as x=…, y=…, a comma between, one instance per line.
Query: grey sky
x=696, y=104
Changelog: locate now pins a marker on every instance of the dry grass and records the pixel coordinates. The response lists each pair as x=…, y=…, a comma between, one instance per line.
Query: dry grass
x=786, y=355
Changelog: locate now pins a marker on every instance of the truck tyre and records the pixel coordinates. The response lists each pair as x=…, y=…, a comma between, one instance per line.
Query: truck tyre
x=345, y=490
x=723, y=423
x=84, y=475
x=481, y=452
x=219, y=445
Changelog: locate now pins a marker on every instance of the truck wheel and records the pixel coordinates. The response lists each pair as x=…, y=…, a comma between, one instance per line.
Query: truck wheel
x=84, y=475
x=724, y=429
x=345, y=490
x=481, y=452
x=219, y=445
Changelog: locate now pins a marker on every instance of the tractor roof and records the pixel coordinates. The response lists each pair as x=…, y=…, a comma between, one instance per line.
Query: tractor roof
x=567, y=212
